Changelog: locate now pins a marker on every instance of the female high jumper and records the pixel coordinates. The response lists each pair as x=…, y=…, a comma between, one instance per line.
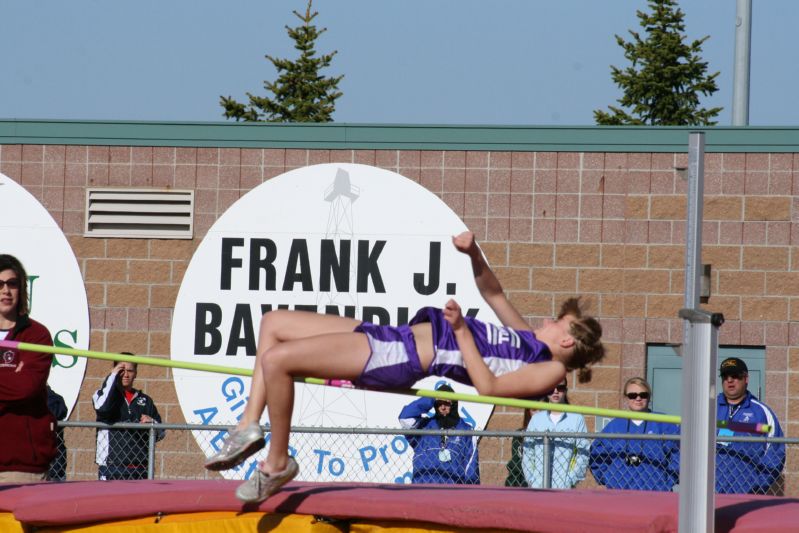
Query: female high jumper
x=496, y=360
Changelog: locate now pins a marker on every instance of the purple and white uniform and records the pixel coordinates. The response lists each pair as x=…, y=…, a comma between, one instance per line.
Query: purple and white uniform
x=394, y=362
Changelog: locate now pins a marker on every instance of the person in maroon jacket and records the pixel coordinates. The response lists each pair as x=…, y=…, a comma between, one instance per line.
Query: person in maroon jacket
x=26, y=425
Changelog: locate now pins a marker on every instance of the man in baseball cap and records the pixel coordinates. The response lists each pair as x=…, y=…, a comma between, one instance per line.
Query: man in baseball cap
x=745, y=467
x=734, y=388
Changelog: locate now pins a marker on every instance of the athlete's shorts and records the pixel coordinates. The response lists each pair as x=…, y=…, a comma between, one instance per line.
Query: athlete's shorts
x=394, y=362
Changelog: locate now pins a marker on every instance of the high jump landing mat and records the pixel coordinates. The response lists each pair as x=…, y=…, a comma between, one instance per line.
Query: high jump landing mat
x=168, y=506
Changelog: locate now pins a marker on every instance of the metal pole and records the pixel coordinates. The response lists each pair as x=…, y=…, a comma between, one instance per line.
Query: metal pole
x=693, y=226
x=547, y=466
x=151, y=453
x=743, y=56
x=700, y=342
x=698, y=435
x=693, y=230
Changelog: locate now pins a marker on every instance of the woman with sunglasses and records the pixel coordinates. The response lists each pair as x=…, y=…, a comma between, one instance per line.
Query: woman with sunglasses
x=568, y=456
x=637, y=464
x=26, y=424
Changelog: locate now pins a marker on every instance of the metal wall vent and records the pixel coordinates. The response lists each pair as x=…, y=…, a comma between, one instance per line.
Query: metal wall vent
x=139, y=213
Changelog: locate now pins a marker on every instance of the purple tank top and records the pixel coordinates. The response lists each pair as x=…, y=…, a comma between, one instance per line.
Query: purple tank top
x=503, y=349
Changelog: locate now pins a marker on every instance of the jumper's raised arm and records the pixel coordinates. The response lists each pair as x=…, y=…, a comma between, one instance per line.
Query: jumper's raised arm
x=487, y=282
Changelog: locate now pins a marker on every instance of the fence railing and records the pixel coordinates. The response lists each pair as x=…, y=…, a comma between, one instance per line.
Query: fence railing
x=393, y=455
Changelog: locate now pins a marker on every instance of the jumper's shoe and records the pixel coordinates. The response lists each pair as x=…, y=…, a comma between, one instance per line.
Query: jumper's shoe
x=261, y=485
x=238, y=446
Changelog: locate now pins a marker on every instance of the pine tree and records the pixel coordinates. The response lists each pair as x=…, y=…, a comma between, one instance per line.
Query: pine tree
x=663, y=83
x=301, y=94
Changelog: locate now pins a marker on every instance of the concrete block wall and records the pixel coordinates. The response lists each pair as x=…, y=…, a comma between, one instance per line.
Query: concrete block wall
x=553, y=224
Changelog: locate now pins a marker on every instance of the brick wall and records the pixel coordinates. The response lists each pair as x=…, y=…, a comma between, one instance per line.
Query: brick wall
x=607, y=225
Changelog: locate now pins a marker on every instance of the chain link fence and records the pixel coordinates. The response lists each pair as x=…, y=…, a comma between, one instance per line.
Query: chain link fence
x=510, y=458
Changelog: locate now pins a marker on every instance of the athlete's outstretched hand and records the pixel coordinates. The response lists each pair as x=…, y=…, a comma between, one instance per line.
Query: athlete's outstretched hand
x=465, y=242
x=453, y=315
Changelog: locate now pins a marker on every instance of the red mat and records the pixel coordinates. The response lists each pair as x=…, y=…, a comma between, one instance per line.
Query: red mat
x=53, y=504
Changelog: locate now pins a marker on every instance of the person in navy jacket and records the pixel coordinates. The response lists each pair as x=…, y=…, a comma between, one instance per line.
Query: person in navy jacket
x=745, y=467
x=440, y=458
x=637, y=464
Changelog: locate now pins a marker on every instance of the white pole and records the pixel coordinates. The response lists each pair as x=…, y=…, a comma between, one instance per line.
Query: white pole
x=693, y=226
x=698, y=430
x=743, y=56
x=699, y=354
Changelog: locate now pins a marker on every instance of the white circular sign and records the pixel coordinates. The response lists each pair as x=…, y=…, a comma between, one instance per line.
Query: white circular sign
x=55, y=285
x=344, y=239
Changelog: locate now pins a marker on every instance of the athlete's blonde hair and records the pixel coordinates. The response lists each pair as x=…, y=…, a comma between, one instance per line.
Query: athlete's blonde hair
x=587, y=334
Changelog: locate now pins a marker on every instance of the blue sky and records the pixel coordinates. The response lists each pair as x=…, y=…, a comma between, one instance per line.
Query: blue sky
x=516, y=62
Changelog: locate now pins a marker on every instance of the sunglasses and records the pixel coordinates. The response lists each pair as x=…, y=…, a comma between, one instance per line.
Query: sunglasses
x=560, y=388
x=733, y=376
x=12, y=283
x=636, y=395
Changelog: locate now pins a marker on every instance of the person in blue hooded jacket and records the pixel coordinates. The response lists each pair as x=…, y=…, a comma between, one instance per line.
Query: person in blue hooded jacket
x=440, y=458
x=745, y=467
x=637, y=464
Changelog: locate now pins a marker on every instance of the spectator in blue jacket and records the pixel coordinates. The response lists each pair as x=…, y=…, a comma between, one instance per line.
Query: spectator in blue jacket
x=568, y=456
x=745, y=467
x=636, y=464
x=440, y=458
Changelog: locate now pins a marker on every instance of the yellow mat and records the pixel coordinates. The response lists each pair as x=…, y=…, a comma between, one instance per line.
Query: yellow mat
x=232, y=522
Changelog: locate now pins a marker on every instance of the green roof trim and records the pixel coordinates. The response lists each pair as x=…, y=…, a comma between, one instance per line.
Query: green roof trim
x=339, y=136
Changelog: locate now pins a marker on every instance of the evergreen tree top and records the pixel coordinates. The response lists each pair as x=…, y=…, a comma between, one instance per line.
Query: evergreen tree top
x=300, y=92
x=665, y=77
